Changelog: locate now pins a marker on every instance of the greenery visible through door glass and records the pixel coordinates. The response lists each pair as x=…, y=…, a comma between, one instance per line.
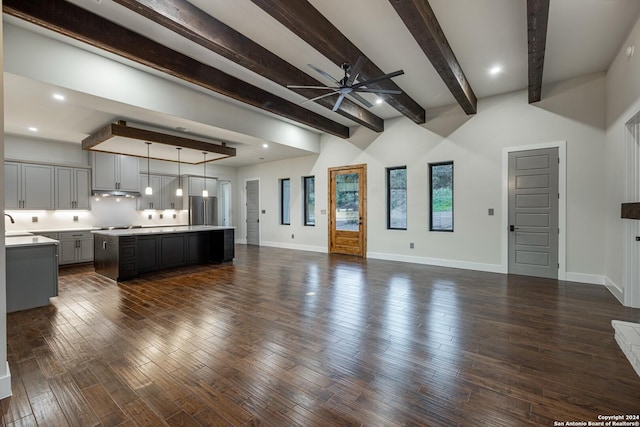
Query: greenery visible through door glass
x=441, y=196
x=347, y=200
x=397, y=198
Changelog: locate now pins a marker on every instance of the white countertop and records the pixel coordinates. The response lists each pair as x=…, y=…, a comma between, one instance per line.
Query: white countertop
x=161, y=230
x=12, y=242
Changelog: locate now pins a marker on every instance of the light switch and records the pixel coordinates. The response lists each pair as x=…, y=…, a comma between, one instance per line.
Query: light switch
x=490, y=211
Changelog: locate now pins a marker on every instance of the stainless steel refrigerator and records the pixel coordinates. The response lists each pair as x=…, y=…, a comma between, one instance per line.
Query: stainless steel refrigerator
x=203, y=210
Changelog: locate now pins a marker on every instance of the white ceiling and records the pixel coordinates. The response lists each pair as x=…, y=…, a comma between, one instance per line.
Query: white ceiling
x=583, y=38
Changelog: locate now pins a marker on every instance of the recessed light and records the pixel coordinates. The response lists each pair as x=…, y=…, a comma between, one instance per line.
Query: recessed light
x=33, y=129
x=378, y=101
x=58, y=97
x=495, y=70
x=265, y=145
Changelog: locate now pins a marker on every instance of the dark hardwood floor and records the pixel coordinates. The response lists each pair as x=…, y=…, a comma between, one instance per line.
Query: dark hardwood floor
x=281, y=337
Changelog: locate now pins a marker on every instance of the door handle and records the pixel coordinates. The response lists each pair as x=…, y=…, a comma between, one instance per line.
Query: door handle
x=513, y=228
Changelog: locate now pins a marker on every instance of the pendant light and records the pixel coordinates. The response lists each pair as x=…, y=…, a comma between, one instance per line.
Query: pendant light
x=148, y=191
x=179, y=189
x=205, y=193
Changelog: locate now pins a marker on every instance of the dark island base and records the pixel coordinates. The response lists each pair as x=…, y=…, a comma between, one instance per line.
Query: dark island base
x=125, y=257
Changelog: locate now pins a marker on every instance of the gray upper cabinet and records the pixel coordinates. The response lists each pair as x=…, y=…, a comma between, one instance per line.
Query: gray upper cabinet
x=115, y=172
x=164, y=193
x=28, y=186
x=73, y=188
x=153, y=201
x=169, y=198
x=196, y=185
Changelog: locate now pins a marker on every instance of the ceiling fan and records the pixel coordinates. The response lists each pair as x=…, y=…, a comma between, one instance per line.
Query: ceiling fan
x=348, y=86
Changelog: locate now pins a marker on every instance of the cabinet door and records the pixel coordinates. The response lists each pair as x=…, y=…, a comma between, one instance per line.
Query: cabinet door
x=85, y=250
x=104, y=171
x=82, y=181
x=129, y=169
x=169, y=198
x=153, y=201
x=148, y=253
x=12, y=196
x=67, y=252
x=196, y=185
x=37, y=186
x=64, y=188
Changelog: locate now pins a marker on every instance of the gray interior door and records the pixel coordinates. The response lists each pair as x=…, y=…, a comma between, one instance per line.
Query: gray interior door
x=253, y=212
x=533, y=213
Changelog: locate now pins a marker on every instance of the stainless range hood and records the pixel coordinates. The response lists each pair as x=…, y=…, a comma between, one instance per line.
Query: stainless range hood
x=116, y=193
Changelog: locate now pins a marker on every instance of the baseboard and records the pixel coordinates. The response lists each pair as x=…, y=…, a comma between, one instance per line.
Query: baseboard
x=464, y=265
x=593, y=279
x=307, y=248
x=241, y=241
x=5, y=384
x=614, y=289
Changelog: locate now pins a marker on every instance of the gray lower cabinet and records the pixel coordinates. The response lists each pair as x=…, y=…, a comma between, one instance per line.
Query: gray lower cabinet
x=75, y=246
x=32, y=276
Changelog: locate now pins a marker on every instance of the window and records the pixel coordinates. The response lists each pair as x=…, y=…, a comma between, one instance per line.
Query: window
x=397, y=198
x=309, y=186
x=285, y=196
x=441, y=197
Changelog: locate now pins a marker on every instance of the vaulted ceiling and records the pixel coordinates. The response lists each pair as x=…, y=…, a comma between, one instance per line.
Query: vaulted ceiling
x=248, y=51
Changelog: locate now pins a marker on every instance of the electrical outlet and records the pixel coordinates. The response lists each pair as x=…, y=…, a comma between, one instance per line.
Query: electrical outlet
x=490, y=211
x=292, y=236
x=161, y=216
x=75, y=218
x=34, y=219
x=174, y=216
x=411, y=245
x=150, y=216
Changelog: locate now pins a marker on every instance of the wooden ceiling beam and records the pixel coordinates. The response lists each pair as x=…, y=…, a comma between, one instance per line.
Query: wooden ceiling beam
x=537, y=20
x=77, y=23
x=121, y=129
x=422, y=23
x=185, y=19
x=310, y=25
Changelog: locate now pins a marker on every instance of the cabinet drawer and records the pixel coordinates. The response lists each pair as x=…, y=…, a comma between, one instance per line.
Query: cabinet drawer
x=75, y=235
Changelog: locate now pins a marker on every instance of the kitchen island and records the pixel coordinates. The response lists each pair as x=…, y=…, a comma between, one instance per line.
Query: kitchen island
x=125, y=254
x=32, y=271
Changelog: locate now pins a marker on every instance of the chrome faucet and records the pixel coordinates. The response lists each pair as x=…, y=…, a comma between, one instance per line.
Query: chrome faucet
x=10, y=217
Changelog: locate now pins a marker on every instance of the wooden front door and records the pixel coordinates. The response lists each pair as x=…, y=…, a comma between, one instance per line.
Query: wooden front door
x=348, y=210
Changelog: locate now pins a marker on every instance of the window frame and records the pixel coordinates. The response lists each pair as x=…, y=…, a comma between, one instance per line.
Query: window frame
x=431, y=166
x=389, y=170
x=305, y=200
x=282, y=201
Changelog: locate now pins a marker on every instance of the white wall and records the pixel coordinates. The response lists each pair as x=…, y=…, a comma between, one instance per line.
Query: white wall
x=109, y=211
x=5, y=375
x=623, y=102
x=572, y=111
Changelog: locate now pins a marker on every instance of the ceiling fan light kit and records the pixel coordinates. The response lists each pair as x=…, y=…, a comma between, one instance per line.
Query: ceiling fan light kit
x=348, y=86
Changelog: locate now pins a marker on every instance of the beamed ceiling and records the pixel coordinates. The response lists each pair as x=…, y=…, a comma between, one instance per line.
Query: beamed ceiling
x=248, y=51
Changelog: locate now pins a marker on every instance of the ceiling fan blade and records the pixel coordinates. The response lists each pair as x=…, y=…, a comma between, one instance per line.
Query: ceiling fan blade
x=377, y=79
x=319, y=97
x=338, y=102
x=361, y=100
x=311, y=87
x=324, y=73
x=372, y=90
x=355, y=70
